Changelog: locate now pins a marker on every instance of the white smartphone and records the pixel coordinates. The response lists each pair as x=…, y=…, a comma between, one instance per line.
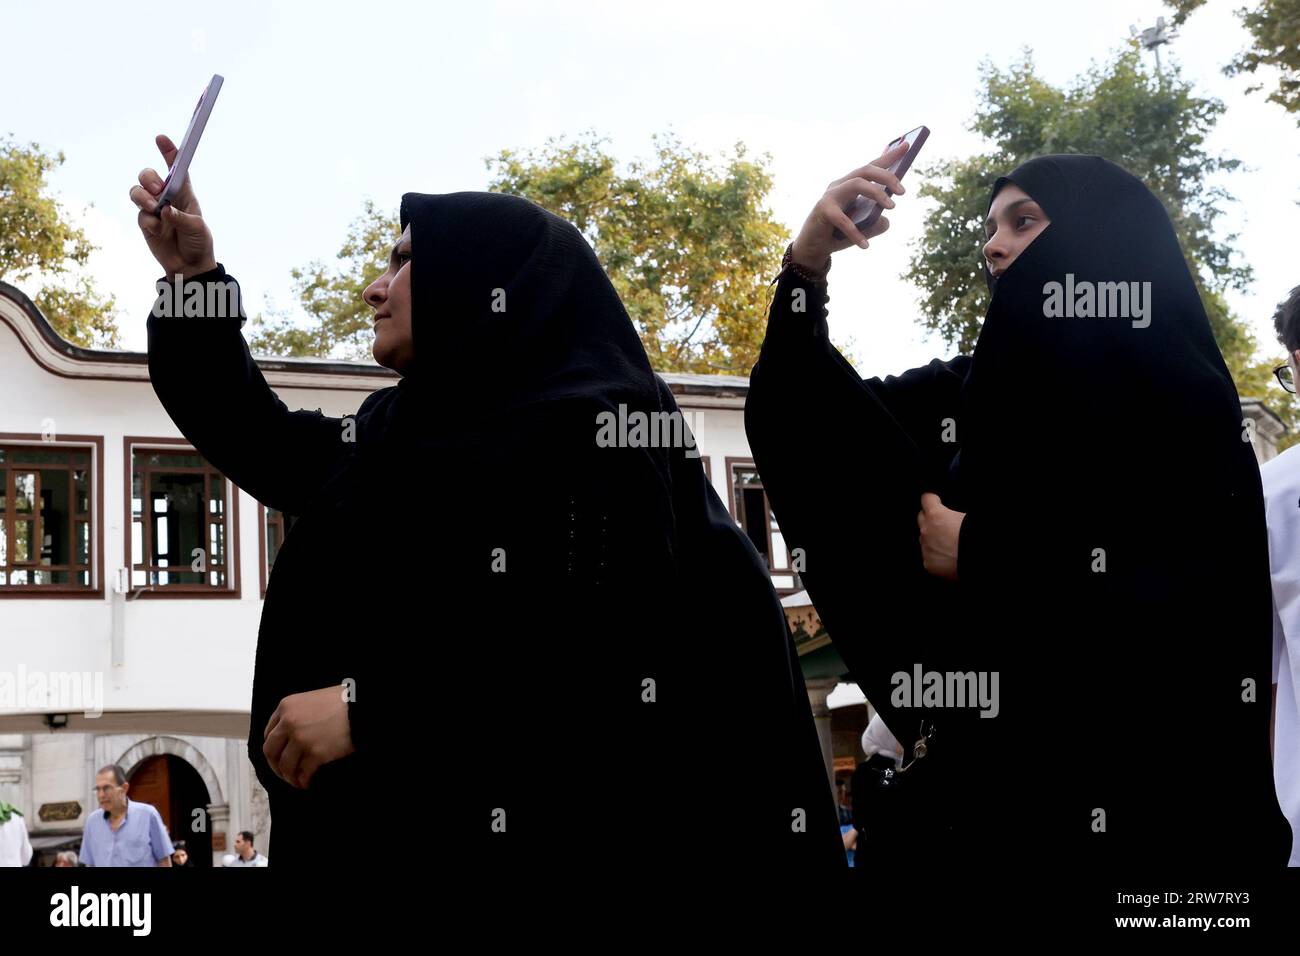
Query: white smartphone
x=864, y=211
x=176, y=175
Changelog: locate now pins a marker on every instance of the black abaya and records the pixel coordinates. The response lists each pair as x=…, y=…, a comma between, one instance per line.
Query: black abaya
x=1112, y=562
x=500, y=588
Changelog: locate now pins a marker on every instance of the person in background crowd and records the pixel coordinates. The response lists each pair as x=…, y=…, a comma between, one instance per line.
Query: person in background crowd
x=124, y=832
x=15, y=848
x=245, y=855
x=1281, y=479
x=181, y=854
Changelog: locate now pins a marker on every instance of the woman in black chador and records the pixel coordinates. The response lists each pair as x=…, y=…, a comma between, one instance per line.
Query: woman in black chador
x=490, y=619
x=1074, y=508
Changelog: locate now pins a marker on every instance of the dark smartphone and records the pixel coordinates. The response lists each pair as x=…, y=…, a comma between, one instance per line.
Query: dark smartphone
x=863, y=211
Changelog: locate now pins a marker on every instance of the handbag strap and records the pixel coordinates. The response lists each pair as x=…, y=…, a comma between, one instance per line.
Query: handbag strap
x=920, y=748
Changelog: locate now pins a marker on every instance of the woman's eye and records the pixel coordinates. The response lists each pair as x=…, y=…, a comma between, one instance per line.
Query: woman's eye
x=1021, y=220
x=403, y=256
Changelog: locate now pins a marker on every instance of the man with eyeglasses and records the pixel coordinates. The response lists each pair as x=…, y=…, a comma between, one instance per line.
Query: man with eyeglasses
x=1281, y=480
x=123, y=832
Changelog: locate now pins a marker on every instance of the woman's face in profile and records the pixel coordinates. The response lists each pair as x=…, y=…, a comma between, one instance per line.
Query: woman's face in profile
x=1014, y=221
x=390, y=297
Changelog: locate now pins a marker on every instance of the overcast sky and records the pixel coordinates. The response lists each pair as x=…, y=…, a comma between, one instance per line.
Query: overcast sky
x=327, y=104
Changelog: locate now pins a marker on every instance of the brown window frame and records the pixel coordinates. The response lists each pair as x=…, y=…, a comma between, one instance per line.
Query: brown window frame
x=732, y=464
x=264, y=569
x=132, y=443
x=95, y=444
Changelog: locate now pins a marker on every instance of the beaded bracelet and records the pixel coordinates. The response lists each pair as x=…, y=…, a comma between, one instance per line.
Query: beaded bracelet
x=803, y=272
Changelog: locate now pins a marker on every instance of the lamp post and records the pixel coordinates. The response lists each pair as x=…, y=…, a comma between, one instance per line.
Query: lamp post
x=1153, y=38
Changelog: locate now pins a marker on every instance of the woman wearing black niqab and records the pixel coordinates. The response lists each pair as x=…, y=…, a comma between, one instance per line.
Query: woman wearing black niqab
x=536, y=626
x=1111, y=564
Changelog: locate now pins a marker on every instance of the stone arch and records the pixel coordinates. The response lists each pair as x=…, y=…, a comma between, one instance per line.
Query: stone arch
x=160, y=745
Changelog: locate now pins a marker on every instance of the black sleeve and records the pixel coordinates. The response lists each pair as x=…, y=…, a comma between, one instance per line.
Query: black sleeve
x=206, y=379
x=844, y=462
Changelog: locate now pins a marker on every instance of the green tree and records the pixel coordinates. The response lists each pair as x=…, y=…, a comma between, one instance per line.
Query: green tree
x=331, y=296
x=36, y=239
x=1274, y=27
x=687, y=242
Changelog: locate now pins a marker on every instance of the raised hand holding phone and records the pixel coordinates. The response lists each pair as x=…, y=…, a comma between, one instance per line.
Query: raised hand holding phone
x=830, y=226
x=178, y=238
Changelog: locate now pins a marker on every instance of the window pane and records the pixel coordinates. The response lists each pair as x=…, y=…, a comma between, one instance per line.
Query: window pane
x=779, y=557
x=216, y=544
x=754, y=519
x=272, y=541
x=24, y=531
x=171, y=460
x=176, y=503
x=83, y=543
x=782, y=581
x=82, y=484
x=33, y=456
x=25, y=492
x=4, y=488
x=56, y=518
x=186, y=576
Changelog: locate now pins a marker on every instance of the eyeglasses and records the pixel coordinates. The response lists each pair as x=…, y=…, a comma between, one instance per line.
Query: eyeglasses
x=106, y=788
x=1285, y=378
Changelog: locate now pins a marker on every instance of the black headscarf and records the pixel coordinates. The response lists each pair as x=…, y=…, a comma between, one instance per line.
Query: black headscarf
x=511, y=314
x=1106, y=383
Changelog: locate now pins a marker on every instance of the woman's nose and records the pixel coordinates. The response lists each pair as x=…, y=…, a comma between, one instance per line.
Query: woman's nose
x=375, y=294
x=994, y=251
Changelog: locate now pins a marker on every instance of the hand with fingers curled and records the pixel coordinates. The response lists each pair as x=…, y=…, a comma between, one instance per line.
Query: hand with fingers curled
x=307, y=731
x=816, y=240
x=940, y=529
x=178, y=238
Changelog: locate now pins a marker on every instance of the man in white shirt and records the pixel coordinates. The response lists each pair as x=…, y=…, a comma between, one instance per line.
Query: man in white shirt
x=1281, y=478
x=15, y=848
x=245, y=855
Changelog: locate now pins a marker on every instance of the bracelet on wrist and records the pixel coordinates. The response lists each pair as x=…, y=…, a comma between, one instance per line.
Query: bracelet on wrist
x=803, y=272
